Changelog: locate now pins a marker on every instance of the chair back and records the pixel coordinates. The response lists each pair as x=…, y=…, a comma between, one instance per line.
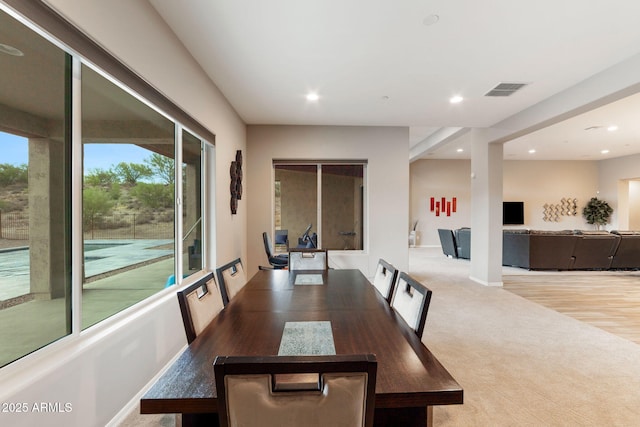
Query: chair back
x=231, y=278
x=448, y=242
x=411, y=301
x=250, y=394
x=199, y=303
x=276, y=261
x=385, y=278
x=268, y=247
x=308, y=259
x=281, y=237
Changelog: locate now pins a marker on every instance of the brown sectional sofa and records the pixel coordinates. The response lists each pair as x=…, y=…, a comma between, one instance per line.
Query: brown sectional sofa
x=538, y=250
x=595, y=250
x=561, y=250
x=628, y=253
x=570, y=250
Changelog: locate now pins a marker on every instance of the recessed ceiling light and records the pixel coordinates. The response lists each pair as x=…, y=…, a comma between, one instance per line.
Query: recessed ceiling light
x=604, y=151
x=459, y=150
x=612, y=128
x=456, y=99
x=10, y=50
x=312, y=96
x=532, y=151
x=430, y=20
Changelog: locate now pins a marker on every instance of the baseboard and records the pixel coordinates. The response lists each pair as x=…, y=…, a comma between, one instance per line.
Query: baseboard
x=485, y=283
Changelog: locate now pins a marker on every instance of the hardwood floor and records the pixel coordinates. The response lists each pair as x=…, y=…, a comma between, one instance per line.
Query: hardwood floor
x=607, y=300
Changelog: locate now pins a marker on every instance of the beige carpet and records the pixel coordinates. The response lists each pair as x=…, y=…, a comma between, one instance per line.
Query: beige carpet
x=519, y=363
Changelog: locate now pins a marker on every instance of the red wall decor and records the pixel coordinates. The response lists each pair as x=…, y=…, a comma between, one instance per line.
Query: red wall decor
x=443, y=206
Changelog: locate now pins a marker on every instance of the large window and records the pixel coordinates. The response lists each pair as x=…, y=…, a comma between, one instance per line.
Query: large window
x=329, y=196
x=34, y=196
x=128, y=195
x=101, y=202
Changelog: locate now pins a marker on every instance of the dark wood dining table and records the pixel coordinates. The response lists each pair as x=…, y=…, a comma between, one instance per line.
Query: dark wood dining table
x=409, y=381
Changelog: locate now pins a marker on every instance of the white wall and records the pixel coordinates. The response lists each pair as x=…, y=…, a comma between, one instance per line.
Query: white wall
x=634, y=205
x=534, y=182
x=611, y=174
x=387, y=152
x=540, y=182
x=439, y=178
x=99, y=371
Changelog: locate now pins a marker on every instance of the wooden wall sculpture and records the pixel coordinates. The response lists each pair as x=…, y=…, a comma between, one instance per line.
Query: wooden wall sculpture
x=236, y=181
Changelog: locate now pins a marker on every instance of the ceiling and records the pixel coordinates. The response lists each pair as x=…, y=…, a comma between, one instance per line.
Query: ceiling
x=377, y=62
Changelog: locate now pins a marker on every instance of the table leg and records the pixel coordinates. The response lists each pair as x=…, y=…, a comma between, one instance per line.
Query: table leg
x=194, y=420
x=406, y=417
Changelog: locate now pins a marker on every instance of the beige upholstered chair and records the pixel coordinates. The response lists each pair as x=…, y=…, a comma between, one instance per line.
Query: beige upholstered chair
x=249, y=393
x=308, y=259
x=411, y=301
x=231, y=278
x=385, y=278
x=199, y=303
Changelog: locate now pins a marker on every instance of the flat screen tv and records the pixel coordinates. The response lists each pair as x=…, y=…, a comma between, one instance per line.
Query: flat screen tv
x=513, y=213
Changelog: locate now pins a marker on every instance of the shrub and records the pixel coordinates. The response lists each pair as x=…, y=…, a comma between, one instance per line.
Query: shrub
x=166, y=216
x=12, y=174
x=95, y=201
x=144, y=218
x=100, y=178
x=153, y=196
x=7, y=206
x=115, y=192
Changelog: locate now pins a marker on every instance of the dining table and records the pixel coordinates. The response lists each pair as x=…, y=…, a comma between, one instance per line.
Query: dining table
x=323, y=312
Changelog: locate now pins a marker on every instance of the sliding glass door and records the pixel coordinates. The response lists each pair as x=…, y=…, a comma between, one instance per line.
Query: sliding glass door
x=327, y=196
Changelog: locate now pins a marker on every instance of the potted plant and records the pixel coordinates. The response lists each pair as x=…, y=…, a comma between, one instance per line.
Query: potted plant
x=597, y=212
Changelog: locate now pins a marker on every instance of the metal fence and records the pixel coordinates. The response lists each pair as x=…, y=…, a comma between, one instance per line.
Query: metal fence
x=15, y=226
x=127, y=226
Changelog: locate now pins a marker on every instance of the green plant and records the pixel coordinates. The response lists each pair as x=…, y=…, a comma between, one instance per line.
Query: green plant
x=163, y=167
x=597, y=212
x=12, y=174
x=153, y=196
x=131, y=173
x=100, y=178
x=95, y=201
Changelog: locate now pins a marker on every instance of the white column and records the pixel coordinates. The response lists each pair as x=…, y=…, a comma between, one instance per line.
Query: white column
x=486, y=210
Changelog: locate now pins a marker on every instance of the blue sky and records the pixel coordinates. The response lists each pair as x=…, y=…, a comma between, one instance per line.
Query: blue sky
x=14, y=150
x=105, y=156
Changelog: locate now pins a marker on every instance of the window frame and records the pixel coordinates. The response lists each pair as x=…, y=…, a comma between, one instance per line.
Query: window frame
x=49, y=25
x=318, y=220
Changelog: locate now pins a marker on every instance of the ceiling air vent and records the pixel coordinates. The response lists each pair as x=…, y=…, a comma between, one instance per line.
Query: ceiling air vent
x=505, y=89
